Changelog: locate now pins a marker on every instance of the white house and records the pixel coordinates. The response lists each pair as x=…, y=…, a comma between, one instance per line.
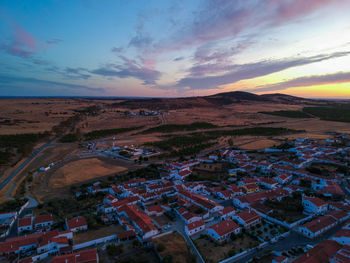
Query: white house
x=25, y=224
x=227, y=213
x=195, y=227
x=222, y=231
x=247, y=218
x=314, y=205
x=77, y=224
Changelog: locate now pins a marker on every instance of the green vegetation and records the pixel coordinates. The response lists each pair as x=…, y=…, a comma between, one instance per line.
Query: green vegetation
x=114, y=250
x=336, y=112
x=149, y=172
x=196, y=142
x=108, y=132
x=289, y=209
x=180, y=127
x=13, y=205
x=70, y=137
x=5, y=157
x=288, y=113
x=24, y=143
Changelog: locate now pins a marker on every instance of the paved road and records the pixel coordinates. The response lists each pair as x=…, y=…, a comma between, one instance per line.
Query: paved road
x=29, y=159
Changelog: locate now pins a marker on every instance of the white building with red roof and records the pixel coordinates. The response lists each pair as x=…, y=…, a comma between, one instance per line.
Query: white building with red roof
x=43, y=222
x=314, y=205
x=317, y=226
x=342, y=236
x=227, y=213
x=283, y=178
x=183, y=174
x=195, y=227
x=222, y=231
x=141, y=221
x=77, y=224
x=154, y=210
x=247, y=218
x=25, y=224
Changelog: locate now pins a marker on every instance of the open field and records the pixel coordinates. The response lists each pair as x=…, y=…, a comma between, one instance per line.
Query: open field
x=213, y=252
x=83, y=170
x=56, y=182
x=37, y=114
x=174, y=245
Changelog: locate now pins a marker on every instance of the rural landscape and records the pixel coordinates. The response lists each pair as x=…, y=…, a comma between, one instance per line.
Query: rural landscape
x=258, y=177
x=187, y=131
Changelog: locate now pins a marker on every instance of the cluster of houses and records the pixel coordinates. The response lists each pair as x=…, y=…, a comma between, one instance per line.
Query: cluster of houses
x=218, y=210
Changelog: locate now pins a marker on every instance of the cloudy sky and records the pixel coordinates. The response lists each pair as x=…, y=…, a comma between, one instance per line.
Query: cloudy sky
x=172, y=48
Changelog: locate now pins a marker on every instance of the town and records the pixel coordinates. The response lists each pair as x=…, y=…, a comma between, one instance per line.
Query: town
x=289, y=203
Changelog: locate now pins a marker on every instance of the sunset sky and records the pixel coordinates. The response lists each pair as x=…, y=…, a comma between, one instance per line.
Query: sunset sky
x=173, y=48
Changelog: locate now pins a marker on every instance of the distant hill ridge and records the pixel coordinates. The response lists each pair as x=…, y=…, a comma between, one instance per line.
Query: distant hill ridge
x=219, y=99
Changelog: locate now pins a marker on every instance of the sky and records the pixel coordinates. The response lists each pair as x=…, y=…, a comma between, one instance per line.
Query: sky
x=174, y=48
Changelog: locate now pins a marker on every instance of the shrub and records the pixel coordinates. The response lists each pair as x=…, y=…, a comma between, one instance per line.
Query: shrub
x=160, y=247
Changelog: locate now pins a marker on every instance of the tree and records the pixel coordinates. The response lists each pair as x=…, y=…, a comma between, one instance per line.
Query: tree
x=168, y=259
x=160, y=247
x=230, y=142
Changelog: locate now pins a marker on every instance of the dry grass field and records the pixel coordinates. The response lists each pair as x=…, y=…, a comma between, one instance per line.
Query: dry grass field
x=82, y=170
x=56, y=182
x=175, y=245
x=38, y=115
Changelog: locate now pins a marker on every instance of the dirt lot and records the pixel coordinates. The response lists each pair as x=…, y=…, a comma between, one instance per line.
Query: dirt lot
x=213, y=252
x=174, y=245
x=161, y=220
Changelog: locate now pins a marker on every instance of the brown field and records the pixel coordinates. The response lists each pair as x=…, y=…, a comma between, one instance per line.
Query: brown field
x=38, y=115
x=56, y=182
x=212, y=252
x=258, y=144
x=82, y=170
x=175, y=245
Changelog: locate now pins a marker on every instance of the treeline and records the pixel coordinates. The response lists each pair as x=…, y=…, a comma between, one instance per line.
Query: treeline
x=22, y=143
x=5, y=157
x=70, y=137
x=195, y=142
x=65, y=124
x=180, y=127
x=108, y=132
x=150, y=172
x=288, y=113
x=337, y=112
x=13, y=205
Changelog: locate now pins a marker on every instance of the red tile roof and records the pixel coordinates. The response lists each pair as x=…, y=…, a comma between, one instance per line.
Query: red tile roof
x=224, y=227
x=249, y=216
x=195, y=224
x=76, y=222
x=315, y=200
x=319, y=223
x=139, y=217
x=43, y=219
x=84, y=256
x=25, y=221
x=320, y=253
